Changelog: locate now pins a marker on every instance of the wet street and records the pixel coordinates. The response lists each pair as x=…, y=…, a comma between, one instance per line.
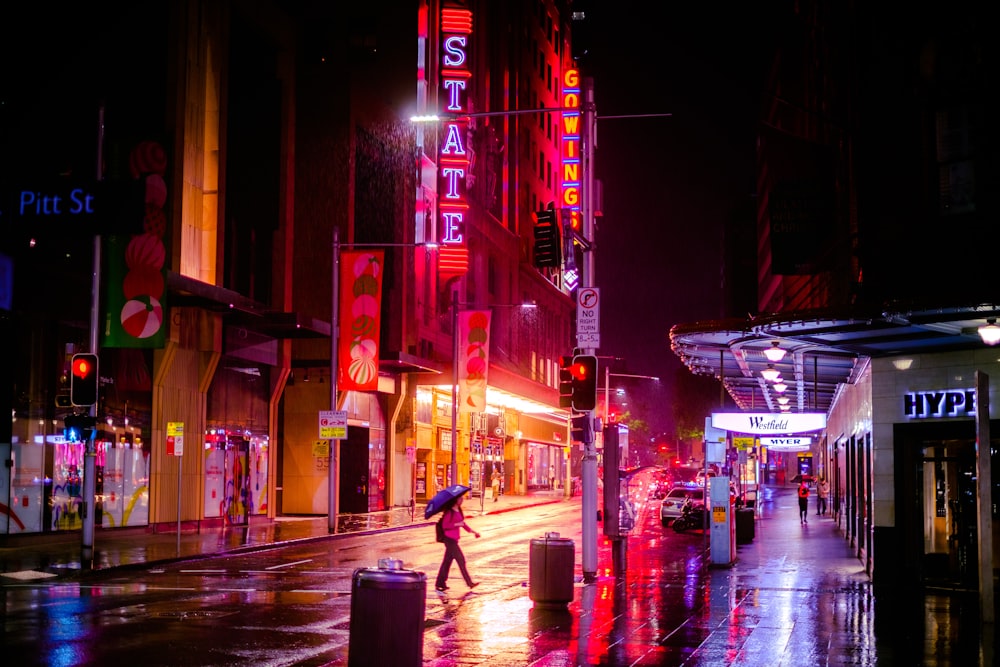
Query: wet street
x=796, y=595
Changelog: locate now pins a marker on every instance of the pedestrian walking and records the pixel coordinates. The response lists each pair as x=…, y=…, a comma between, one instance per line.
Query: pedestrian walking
x=552, y=477
x=495, y=481
x=453, y=521
x=803, y=502
x=822, y=491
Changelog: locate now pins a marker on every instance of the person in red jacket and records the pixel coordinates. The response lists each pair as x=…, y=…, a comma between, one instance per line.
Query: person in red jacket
x=452, y=521
x=803, y=502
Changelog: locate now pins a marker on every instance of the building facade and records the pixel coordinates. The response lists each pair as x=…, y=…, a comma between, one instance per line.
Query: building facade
x=225, y=142
x=876, y=188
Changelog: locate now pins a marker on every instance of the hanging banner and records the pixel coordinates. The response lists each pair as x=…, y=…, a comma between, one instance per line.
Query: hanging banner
x=136, y=294
x=360, y=319
x=473, y=359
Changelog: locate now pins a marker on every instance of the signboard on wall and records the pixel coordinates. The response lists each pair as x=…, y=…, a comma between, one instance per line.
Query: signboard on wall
x=175, y=438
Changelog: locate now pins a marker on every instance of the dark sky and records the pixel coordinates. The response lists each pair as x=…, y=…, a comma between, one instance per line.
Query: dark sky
x=669, y=184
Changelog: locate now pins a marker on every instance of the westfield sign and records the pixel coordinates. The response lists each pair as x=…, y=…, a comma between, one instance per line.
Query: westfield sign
x=764, y=423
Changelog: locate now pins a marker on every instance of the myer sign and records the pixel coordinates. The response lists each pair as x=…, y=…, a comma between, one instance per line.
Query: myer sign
x=764, y=423
x=791, y=443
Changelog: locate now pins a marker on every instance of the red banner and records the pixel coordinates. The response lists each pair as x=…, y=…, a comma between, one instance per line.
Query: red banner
x=360, y=319
x=473, y=359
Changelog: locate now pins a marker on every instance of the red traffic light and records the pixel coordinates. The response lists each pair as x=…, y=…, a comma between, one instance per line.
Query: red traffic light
x=83, y=379
x=584, y=374
x=82, y=366
x=579, y=371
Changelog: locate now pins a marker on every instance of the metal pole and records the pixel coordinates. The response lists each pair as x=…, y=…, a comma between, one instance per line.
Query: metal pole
x=333, y=470
x=607, y=393
x=454, y=387
x=90, y=457
x=588, y=470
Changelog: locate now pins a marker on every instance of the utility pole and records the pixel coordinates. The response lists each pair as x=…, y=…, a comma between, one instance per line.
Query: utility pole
x=589, y=462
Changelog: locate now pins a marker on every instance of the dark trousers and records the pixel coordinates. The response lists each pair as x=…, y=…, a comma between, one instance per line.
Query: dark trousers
x=452, y=552
x=803, y=508
x=820, y=505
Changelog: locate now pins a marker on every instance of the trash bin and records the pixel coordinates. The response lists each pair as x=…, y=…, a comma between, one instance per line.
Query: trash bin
x=550, y=571
x=744, y=526
x=387, y=615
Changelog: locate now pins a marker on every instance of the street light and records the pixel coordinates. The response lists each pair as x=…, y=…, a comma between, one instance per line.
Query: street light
x=454, y=371
x=607, y=386
x=587, y=109
x=611, y=477
x=334, y=466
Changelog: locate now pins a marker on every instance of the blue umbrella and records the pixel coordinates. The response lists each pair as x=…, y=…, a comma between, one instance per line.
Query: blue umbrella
x=444, y=499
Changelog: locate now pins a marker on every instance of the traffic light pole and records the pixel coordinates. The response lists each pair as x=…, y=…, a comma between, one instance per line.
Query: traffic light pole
x=90, y=457
x=588, y=471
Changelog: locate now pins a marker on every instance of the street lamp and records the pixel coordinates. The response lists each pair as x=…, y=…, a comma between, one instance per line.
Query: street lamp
x=454, y=371
x=607, y=386
x=334, y=466
x=587, y=109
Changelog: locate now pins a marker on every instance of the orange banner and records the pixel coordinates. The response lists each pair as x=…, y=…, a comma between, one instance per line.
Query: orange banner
x=473, y=359
x=360, y=319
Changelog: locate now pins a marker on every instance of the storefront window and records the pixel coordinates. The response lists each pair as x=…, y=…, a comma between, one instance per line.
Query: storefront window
x=122, y=485
x=236, y=468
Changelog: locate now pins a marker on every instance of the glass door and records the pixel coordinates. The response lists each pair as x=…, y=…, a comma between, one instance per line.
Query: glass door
x=947, y=497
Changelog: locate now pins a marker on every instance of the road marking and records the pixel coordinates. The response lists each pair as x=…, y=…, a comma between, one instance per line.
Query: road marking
x=319, y=591
x=203, y=571
x=298, y=562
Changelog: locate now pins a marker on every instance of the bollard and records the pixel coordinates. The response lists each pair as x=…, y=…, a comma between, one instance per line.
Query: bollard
x=387, y=616
x=550, y=571
x=744, y=526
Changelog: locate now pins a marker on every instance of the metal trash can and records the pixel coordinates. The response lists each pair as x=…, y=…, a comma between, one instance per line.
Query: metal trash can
x=387, y=615
x=744, y=526
x=550, y=570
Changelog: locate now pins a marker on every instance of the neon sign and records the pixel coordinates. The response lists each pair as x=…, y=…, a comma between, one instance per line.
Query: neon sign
x=572, y=165
x=945, y=403
x=453, y=155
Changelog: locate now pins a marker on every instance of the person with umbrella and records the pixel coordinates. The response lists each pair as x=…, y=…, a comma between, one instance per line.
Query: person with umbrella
x=449, y=502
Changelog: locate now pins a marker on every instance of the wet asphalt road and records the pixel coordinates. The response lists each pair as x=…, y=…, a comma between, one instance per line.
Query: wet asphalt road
x=795, y=596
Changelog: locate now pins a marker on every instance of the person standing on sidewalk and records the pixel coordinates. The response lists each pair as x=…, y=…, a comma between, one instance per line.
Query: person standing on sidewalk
x=495, y=482
x=452, y=522
x=822, y=491
x=803, y=502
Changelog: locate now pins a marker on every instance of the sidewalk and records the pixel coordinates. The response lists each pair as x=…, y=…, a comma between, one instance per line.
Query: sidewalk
x=39, y=557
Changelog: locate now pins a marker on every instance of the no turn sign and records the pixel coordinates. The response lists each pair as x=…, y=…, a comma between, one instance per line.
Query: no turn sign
x=588, y=317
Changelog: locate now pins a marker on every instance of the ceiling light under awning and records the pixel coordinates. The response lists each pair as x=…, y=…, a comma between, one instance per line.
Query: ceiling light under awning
x=774, y=353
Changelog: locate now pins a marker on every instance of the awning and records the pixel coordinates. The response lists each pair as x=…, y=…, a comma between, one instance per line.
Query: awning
x=241, y=311
x=825, y=350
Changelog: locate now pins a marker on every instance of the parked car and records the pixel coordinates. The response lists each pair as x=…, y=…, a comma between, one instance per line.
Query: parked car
x=670, y=508
x=701, y=477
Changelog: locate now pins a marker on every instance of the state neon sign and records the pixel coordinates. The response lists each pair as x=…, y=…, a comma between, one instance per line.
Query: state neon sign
x=453, y=154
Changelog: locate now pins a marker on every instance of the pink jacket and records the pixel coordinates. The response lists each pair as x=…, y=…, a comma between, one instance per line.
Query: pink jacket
x=452, y=521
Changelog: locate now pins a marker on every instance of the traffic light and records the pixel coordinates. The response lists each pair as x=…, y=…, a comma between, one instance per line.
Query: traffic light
x=581, y=429
x=565, y=382
x=548, y=241
x=80, y=428
x=584, y=372
x=83, y=380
